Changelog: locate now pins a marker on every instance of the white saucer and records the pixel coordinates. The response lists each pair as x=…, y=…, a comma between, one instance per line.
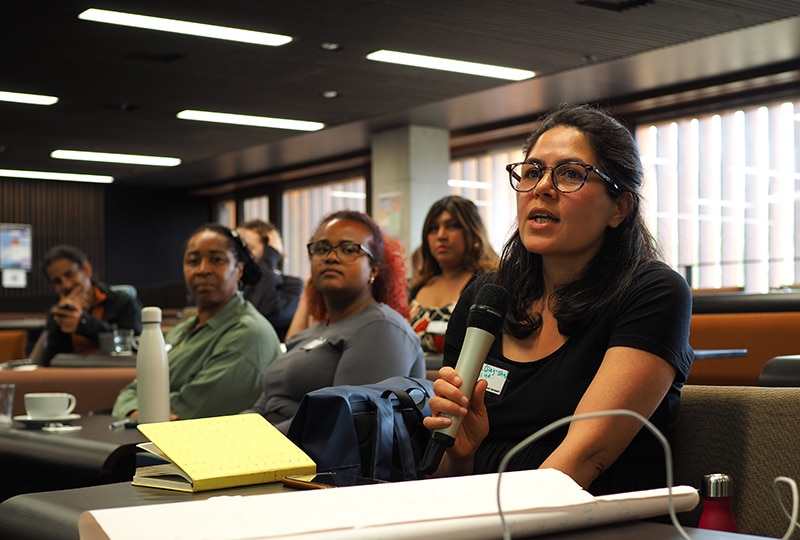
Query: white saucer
x=34, y=420
x=61, y=428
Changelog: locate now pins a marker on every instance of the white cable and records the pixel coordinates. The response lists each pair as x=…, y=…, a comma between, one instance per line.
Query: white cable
x=558, y=423
x=793, y=516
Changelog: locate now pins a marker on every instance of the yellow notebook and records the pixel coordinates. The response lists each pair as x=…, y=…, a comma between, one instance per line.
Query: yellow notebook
x=219, y=452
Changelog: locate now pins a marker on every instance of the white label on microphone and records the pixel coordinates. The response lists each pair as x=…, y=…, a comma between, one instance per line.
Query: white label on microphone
x=495, y=376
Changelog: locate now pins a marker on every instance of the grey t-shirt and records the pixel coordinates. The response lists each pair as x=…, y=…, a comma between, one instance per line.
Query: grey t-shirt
x=363, y=349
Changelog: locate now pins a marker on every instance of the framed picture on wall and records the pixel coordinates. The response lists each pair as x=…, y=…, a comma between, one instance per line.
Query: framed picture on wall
x=15, y=246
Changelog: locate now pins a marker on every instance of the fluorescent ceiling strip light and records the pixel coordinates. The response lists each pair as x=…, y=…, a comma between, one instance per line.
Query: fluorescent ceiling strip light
x=31, y=99
x=184, y=27
x=104, y=157
x=347, y=194
x=245, y=120
x=64, y=177
x=445, y=64
x=468, y=184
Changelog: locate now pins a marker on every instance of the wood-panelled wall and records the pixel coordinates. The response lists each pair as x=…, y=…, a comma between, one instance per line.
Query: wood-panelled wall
x=59, y=213
x=130, y=234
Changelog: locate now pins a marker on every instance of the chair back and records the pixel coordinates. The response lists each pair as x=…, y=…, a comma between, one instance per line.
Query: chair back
x=748, y=432
x=781, y=371
x=128, y=289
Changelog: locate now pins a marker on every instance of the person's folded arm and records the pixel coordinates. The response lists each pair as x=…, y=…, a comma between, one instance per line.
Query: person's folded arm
x=627, y=379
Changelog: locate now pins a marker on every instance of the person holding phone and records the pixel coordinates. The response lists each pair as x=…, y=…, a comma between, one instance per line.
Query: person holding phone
x=85, y=307
x=596, y=321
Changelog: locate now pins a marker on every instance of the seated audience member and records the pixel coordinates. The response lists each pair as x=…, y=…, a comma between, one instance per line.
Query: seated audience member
x=275, y=295
x=596, y=321
x=218, y=357
x=454, y=250
x=85, y=307
x=357, y=293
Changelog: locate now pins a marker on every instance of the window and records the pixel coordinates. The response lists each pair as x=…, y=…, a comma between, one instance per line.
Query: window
x=303, y=209
x=255, y=208
x=483, y=179
x=226, y=213
x=722, y=195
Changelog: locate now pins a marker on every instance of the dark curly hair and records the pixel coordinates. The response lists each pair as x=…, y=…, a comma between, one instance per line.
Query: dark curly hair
x=251, y=273
x=625, y=249
x=389, y=286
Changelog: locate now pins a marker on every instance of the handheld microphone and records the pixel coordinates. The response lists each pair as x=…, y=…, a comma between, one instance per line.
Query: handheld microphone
x=484, y=321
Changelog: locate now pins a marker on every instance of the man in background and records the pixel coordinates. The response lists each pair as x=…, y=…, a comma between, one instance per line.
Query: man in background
x=276, y=295
x=85, y=307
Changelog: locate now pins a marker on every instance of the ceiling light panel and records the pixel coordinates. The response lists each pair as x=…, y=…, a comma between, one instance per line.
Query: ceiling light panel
x=446, y=64
x=184, y=27
x=64, y=177
x=30, y=99
x=103, y=157
x=246, y=120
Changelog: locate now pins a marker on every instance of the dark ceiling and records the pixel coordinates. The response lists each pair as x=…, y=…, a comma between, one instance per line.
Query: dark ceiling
x=120, y=88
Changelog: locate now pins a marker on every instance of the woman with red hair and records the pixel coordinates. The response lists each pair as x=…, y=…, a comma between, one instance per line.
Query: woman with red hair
x=357, y=292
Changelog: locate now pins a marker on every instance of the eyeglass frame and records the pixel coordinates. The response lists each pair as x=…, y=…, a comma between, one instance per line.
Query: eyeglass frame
x=335, y=249
x=588, y=168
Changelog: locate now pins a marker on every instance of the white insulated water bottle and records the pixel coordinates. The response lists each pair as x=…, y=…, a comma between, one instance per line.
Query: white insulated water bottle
x=152, y=369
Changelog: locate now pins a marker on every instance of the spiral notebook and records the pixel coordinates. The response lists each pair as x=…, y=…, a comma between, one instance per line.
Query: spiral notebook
x=219, y=452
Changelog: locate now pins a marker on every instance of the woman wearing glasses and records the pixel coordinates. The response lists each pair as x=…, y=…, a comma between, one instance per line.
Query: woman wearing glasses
x=357, y=291
x=596, y=321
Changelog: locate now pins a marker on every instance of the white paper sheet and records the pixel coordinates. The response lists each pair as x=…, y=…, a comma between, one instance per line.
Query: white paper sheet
x=534, y=502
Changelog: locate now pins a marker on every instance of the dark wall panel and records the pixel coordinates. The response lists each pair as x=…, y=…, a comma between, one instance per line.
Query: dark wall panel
x=59, y=213
x=131, y=235
x=149, y=228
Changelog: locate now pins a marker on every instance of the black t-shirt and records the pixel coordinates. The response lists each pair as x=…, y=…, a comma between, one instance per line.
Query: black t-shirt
x=653, y=315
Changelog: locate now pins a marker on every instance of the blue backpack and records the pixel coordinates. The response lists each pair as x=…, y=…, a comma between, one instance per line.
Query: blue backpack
x=372, y=430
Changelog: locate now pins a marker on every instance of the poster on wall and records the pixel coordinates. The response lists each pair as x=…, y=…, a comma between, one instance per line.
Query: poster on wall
x=390, y=214
x=15, y=246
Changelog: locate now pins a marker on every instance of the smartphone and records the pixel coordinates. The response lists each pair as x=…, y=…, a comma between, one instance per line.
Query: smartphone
x=68, y=307
x=327, y=480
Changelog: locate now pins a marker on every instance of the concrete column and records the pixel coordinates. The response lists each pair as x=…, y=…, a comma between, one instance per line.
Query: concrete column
x=410, y=168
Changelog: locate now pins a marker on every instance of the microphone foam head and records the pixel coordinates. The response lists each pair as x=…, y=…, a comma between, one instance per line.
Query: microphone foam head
x=489, y=308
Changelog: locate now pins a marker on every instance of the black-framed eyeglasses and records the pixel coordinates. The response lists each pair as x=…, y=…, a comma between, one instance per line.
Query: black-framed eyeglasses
x=568, y=177
x=346, y=251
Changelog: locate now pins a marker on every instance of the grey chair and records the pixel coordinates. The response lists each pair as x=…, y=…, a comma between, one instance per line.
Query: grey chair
x=128, y=289
x=751, y=433
x=781, y=371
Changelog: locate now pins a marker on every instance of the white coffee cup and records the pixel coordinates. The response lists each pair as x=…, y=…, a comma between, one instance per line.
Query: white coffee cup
x=49, y=404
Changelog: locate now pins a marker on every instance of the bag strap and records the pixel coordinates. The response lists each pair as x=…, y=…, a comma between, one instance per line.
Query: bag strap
x=384, y=434
x=408, y=464
x=418, y=387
